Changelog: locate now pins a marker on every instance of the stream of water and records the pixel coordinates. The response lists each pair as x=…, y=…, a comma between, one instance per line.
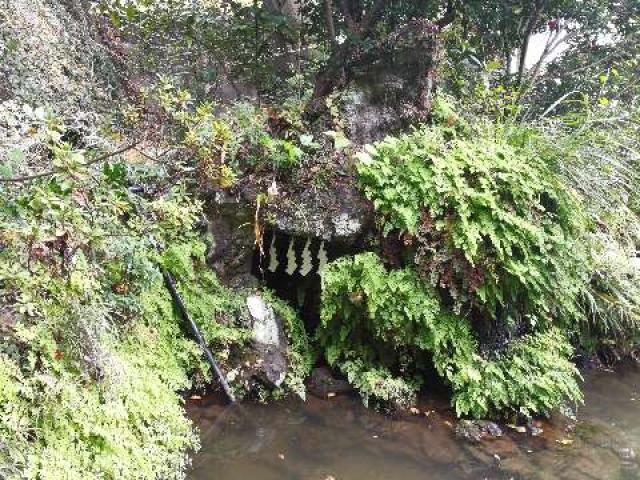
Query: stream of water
x=339, y=439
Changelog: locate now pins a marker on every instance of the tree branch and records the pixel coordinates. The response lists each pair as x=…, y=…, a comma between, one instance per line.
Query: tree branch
x=328, y=13
x=448, y=16
x=35, y=176
x=531, y=25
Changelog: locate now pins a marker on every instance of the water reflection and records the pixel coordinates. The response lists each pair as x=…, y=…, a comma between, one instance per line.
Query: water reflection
x=339, y=439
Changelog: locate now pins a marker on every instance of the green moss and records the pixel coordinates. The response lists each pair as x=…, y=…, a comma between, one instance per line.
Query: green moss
x=93, y=355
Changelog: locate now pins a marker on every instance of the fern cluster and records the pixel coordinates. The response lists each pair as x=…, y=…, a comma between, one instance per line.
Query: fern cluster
x=488, y=218
x=384, y=328
x=491, y=235
x=92, y=356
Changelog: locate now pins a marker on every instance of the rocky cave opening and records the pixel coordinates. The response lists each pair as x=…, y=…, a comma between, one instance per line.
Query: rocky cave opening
x=291, y=266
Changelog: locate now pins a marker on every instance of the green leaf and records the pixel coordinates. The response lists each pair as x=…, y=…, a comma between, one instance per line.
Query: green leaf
x=340, y=141
x=16, y=156
x=5, y=171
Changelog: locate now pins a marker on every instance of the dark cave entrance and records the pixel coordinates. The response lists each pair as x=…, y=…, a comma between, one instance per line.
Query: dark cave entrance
x=291, y=267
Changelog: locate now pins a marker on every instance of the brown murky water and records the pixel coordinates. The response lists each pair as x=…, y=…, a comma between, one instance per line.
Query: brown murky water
x=340, y=439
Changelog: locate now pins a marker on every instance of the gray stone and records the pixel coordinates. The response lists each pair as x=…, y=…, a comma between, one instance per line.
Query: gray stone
x=627, y=454
x=269, y=342
x=340, y=213
x=231, y=226
x=536, y=431
x=477, y=430
x=323, y=384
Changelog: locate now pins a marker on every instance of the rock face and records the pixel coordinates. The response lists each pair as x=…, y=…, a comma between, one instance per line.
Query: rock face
x=301, y=228
x=231, y=224
x=339, y=213
x=269, y=342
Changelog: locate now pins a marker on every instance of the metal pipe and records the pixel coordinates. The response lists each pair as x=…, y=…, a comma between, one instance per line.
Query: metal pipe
x=175, y=295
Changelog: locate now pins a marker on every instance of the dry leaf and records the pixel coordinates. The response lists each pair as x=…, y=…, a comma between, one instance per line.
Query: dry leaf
x=281, y=456
x=565, y=441
x=517, y=428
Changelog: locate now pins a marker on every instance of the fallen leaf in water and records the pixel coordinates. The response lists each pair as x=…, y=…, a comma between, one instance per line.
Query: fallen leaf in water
x=281, y=456
x=448, y=423
x=375, y=436
x=565, y=441
x=195, y=397
x=517, y=428
x=331, y=394
x=414, y=411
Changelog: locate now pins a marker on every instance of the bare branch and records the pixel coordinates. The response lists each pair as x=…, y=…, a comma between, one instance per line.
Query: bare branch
x=531, y=25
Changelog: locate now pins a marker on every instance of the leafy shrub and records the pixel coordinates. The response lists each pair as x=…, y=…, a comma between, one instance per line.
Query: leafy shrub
x=495, y=234
x=491, y=222
x=93, y=354
x=595, y=152
x=362, y=305
x=226, y=140
x=128, y=425
x=92, y=373
x=383, y=329
x=612, y=299
x=379, y=387
x=534, y=375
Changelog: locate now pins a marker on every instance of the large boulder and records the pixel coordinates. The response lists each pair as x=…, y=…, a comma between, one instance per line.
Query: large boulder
x=336, y=214
x=269, y=360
